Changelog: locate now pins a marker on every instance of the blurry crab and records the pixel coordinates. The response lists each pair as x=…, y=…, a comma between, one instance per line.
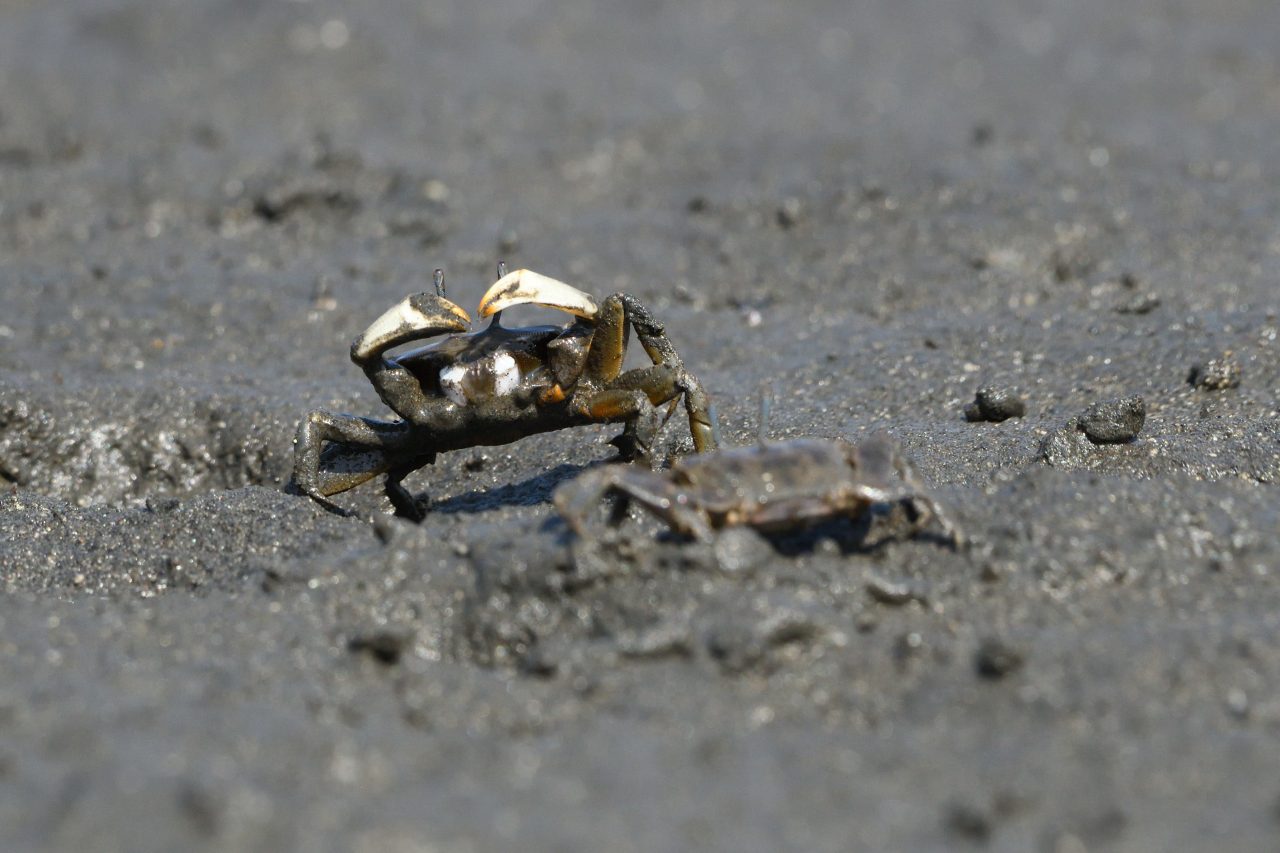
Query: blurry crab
x=772, y=487
x=497, y=385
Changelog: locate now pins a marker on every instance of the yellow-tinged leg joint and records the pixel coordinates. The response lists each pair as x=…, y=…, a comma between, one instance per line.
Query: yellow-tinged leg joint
x=554, y=394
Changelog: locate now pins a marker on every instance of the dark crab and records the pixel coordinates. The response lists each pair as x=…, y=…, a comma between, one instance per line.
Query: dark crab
x=774, y=486
x=497, y=385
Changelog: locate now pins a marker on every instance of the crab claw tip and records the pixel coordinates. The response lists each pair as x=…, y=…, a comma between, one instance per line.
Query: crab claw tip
x=438, y=311
x=422, y=315
x=525, y=286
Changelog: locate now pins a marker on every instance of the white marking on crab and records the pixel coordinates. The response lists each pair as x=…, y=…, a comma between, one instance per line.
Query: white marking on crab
x=506, y=375
x=451, y=383
x=496, y=376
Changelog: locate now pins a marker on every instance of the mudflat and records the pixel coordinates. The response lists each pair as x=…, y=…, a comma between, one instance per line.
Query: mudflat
x=1035, y=243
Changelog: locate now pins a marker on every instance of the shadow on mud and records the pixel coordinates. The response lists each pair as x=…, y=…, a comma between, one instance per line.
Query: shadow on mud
x=530, y=492
x=866, y=534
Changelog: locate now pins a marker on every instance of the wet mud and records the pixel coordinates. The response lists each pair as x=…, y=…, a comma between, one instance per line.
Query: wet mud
x=885, y=213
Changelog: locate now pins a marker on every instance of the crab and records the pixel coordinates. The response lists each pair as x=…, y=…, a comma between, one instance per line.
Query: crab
x=497, y=385
x=772, y=487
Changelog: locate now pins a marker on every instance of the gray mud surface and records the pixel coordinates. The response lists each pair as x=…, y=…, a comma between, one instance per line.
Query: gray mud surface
x=877, y=208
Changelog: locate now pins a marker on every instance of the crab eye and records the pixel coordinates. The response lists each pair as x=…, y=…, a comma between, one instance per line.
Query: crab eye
x=523, y=287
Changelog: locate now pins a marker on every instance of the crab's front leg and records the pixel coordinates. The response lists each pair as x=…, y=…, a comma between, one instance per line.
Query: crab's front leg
x=617, y=314
x=367, y=448
x=578, y=498
x=634, y=398
x=358, y=449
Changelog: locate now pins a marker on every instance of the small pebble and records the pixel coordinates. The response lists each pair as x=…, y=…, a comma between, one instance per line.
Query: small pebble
x=160, y=505
x=667, y=640
x=1143, y=303
x=1114, y=421
x=508, y=241
x=969, y=821
x=1238, y=703
x=995, y=659
x=789, y=212
x=385, y=647
x=994, y=405
x=537, y=664
x=893, y=593
x=1216, y=374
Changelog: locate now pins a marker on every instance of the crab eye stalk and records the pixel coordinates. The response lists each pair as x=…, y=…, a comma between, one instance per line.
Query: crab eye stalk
x=524, y=287
x=438, y=280
x=497, y=315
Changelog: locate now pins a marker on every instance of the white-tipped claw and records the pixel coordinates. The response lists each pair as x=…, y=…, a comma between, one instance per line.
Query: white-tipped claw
x=525, y=286
x=421, y=315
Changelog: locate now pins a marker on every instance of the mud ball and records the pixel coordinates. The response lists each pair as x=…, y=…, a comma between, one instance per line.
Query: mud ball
x=1114, y=421
x=790, y=212
x=995, y=404
x=969, y=821
x=1216, y=374
x=994, y=659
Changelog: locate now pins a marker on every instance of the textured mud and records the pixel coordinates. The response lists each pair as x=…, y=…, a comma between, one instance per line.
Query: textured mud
x=877, y=210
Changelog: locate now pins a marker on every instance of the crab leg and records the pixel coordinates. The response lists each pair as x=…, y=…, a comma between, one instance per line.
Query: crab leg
x=402, y=500
x=913, y=491
x=366, y=448
x=636, y=408
x=878, y=456
x=613, y=320
x=633, y=398
x=608, y=348
x=576, y=499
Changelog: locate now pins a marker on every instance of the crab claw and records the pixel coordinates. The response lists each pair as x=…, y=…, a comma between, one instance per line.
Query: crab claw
x=525, y=286
x=422, y=315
